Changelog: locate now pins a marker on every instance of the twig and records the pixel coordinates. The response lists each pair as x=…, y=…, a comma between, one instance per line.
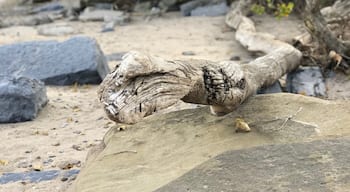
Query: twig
x=290, y=117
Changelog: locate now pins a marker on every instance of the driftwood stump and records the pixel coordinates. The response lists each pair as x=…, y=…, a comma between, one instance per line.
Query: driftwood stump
x=143, y=84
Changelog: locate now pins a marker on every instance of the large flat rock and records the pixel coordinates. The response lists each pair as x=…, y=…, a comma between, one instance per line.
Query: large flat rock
x=156, y=151
x=78, y=59
x=316, y=166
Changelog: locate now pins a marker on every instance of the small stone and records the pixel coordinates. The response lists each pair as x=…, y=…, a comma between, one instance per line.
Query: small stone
x=68, y=164
x=56, y=144
x=28, y=151
x=37, y=166
x=77, y=132
x=235, y=58
x=188, y=53
x=64, y=179
x=77, y=147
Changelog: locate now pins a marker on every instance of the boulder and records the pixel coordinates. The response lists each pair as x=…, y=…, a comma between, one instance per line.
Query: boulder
x=211, y=10
x=77, y=60
x=314, y=166
x=21, y=98
x=161, y=148
x=307, y=81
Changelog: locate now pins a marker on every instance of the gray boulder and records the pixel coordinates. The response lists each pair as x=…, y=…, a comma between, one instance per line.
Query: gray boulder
x=211, y=10
x=316, y=166
x=20, y=98
x=77, y=60
x=307, y=81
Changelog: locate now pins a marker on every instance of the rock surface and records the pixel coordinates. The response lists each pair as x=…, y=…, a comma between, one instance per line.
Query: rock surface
x=307, y=81
x=36, y=176
x=163, y=147
x=21, y=99
x=315, y=166
x=78, y=59
x=211, y=10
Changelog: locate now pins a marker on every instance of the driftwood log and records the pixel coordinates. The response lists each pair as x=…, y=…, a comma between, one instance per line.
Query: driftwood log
x=143, y=84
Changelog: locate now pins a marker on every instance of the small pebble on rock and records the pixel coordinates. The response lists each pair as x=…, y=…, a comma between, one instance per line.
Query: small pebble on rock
x=188, y=53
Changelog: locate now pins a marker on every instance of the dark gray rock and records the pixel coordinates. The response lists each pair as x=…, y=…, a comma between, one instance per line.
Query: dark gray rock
x=186, y=8
x=52, y=6
x=307, y=81
x=36, y=176
x=316, y=166
x=20, y=99
x=78, y=59
x=275, y=88
x=211, y=10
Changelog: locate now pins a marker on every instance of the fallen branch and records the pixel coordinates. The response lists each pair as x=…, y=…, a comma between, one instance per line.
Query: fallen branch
x=144, y=84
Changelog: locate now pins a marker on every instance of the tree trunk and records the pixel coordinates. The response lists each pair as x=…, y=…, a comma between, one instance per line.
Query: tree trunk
x=143, y=84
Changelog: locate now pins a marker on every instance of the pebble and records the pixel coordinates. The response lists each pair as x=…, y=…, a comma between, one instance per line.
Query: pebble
x=37, y=166
x=235, y=58
x=56, y=144
x=68, y=164
x=77, y=147
x=188, y=53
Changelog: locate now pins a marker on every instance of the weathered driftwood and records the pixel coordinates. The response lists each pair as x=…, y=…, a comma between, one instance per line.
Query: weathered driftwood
x=143, y=84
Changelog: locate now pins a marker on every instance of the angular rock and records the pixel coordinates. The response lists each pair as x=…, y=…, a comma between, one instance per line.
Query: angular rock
x=77, y=60
x=21, y=99
x=211, y=10
x=164, y=147
x=315, y=166
x=307, y=81
x=53, y=6
x=186, y=8
x=104, y=15
x=28, y=20
x=56, y=29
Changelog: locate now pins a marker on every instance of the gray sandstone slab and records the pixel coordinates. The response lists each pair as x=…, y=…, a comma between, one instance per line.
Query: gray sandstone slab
x=20, y=98
x=162, y=148
x=321, y=166
x=77, y=60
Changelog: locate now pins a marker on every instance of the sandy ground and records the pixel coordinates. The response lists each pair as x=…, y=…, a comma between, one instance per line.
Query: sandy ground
x=74, y=116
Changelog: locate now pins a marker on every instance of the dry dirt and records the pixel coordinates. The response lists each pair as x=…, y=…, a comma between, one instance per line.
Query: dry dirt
x=74, y=116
